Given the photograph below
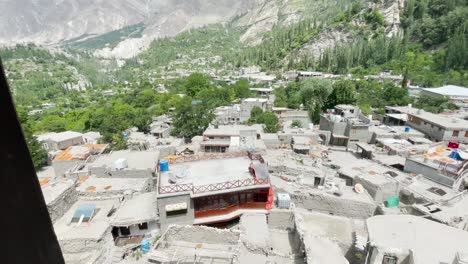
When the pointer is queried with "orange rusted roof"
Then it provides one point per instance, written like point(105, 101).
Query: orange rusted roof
point(80, 152)
point(44, 181)
point(84, 178)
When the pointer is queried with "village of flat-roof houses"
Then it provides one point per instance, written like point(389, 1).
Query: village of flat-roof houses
point(387, 188)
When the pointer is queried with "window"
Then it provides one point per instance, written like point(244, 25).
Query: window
point(466, 133)
point(249, 198)
point(45, 146)
point(124, 231)
point(455, 133)
point(143, 226)
point(437, 191)
point(389, 259)
point(176, 212)
point(242, 198)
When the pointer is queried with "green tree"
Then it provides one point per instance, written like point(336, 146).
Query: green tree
point(296, 123)
point(394, 95)
point(270, 122)
point(145, 99)
point(255, 114)
point(344, 92)
point(118, 142)
point(195, 83)
point(52, 123)
point(191, 119)
point(38, 154)
point(241, 89)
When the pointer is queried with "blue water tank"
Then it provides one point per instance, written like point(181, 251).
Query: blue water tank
point(407, 129)
point(145, 246)
point(164, 165)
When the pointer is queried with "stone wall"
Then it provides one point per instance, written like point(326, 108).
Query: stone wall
point(184, 219)
point(334, 205)
point(200, 234)
point(428, 172)
point(62, 204)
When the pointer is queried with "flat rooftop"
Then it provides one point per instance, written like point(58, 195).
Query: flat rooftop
point(80, 152)
point(394, 130)
point(142, 160)
point(431, 242)
point(449, 90)
point(421, 186)
point(141, 208)
point(231, 130)
point(53, 190)
point(441, 120)
point(103, 185)
point(57, 137)
point(93, 230)
point(208, 171)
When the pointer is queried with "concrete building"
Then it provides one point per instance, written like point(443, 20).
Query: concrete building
point(231, 138)
point(141, 142)
point(438, 127)
point(228, 115)
point(414, 240)
point(75, 156)
point(378, 180)
point(404, 147)
point(92, 137)
point(212, 189)
point(108, 187)
point(457, 94)
point(450, 211)
point(84, 232)
point(263, 92)
point(441, 165)
point(286, 117)
point(393, 132)
point(160, 130)
point(59, 196)
point(248, 104)
point(60, 141)
point(344, 125)
point(386, 76)
point(286, 136)
point(398, 115)
point(257, 241)
point(125, 164)
point(134, 219)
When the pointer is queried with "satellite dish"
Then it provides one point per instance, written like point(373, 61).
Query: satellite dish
point(358, 188)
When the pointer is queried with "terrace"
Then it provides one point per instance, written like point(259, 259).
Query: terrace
point(216, 173)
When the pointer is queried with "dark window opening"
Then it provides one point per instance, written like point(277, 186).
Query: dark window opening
point(399, 167)
point(143, 226)
point(124, 231)
point(176, 212)
point(389, 259)
point(437, 191)
point(317, 181)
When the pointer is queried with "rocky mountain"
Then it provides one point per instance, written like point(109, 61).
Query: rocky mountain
point(54, 21)
point(123, 28)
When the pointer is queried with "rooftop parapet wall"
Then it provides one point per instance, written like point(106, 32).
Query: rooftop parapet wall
point(257, 179)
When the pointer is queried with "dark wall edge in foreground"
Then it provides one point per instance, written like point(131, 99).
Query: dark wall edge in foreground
point(27, 234)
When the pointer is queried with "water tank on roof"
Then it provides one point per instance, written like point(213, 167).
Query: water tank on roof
point(121, 164)
point(164, 165)
point(284, 200)
point(407, 129)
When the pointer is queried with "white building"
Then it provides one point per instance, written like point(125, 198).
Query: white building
point(457, 94)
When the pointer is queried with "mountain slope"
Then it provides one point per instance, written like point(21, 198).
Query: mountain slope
point(54, 21)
